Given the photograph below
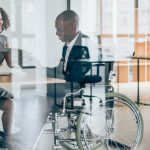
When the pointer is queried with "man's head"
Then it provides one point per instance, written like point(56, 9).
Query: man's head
point(67, 25)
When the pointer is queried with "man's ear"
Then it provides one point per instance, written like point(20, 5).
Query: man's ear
point(74, 27)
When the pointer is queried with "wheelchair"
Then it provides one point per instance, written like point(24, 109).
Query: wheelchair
point(114, 123)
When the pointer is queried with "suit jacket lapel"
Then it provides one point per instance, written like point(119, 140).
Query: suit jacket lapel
point(73, 52)
point(77, 43)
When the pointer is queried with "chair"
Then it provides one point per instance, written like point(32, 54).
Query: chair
point(79, 74)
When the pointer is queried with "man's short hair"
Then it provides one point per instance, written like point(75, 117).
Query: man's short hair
point(68, 15)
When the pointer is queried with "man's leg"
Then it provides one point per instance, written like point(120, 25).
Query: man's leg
point(8, 115)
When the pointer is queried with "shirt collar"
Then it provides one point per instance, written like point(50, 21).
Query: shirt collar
point(70, 45)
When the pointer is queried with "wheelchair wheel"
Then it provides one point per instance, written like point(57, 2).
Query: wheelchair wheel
point(116, 124)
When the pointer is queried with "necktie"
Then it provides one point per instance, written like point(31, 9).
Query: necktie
point(66, 58)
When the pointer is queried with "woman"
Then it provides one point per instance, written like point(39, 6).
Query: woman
point(4, 24)
point(6, 98)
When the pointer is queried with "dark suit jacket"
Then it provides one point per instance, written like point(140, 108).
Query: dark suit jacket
point(77, 52)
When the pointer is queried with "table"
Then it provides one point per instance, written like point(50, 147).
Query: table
point(8, 81)
point(138, 77)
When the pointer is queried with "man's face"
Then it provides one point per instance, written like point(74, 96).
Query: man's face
point(65, 30)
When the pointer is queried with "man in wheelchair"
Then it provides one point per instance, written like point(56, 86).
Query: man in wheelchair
point(77, 46)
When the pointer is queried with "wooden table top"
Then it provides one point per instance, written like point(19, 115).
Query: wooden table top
point(9, 80)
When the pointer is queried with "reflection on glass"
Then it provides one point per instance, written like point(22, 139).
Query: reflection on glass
point(14, 43)
point(13, 15)
point(28, 16)
point(144, 14)
point(28, 44)
point(88, 16)
point(28, 48)
point(14, 52)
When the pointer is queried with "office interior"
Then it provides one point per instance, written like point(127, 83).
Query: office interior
point(118, 27)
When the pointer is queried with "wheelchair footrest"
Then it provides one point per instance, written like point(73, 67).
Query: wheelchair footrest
point(57, 147)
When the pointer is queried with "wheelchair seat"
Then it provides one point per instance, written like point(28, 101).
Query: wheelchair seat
point(81, 74)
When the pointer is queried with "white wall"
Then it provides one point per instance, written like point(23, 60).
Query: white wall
point(4, 4)
point(76, 6)
point(89, 13)
point(41, 31)
point(48, 46)
point(54, 44)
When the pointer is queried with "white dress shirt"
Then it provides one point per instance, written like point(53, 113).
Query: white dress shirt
point(69, 47)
